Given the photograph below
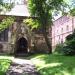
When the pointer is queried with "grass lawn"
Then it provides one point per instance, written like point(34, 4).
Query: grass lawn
point(54, 64)
point(4, 64)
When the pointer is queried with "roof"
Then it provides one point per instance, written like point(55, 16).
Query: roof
point(18, 10)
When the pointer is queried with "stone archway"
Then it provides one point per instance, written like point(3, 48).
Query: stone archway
point(22, 45)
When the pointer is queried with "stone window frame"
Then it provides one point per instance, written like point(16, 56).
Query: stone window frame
point(4, 35)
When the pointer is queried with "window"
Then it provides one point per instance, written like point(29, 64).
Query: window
point(57, 31)
point(67, 28)
point(61, 30)
point(61, 41)
point(4, 35)
point(59, 37)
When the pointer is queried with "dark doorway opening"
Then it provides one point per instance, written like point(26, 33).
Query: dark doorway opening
point(22, 46)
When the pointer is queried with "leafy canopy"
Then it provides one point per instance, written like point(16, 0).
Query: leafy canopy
point(4, 6)
point(43, 9)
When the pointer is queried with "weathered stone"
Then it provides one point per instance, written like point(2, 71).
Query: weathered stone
point(18, 68)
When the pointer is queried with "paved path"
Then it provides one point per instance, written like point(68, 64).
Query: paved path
point(22, 67)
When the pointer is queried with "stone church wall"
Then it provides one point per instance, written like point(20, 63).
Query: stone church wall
point(4, 47)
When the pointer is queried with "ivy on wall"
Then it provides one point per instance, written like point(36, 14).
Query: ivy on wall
point(6, 22)
point(33, 24)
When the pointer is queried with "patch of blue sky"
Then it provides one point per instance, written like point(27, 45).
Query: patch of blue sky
point(59, 13)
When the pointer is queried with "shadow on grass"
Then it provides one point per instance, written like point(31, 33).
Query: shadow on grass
point(55, 64)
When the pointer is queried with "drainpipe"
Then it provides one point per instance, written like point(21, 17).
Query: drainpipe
point(72, 23)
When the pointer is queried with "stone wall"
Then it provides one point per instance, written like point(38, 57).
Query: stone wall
point(4, 47)
point(39, 44)
point(36, 42)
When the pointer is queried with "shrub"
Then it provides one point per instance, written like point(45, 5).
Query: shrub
point(68, 51)
point(71, 43)
point(70, 36)
point(64, 50)
point(68, 48)
point(59, 48)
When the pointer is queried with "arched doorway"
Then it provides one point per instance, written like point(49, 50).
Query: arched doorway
point(22, 45)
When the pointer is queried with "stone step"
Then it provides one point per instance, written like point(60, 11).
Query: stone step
point(21, 54)
point(22, 67)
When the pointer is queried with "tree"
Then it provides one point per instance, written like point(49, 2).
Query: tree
point(70, 40)
point(42, 9)
point(6, 22)
point(5, 6)
point(1, 2)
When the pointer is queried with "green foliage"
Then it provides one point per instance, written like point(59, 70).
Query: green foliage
point(6, 23)
point(72, 8)
point(70, 41)
point(69, 47)
point(5, 6)
point(1, 2)
point(70, 36)
point(68, 51)
point(72, 12)
point(1, 5)
point(43, 9)
point(8, 6)
point(59, 49)
point(4, 65)
point(40, 9)
point(71, 44)
point(32, 23)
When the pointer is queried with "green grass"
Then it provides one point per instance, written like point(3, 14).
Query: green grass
point(54, 64)
point(4, 64)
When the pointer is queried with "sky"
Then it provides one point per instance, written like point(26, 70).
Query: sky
point(69, 2)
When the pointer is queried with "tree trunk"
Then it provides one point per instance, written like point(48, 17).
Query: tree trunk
point(47, 40)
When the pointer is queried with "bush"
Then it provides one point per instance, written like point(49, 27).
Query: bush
point(69, 37)
point(71, 43)
point(69, 47)
point(64, 50)
point(59, 48)
point(68, 51)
